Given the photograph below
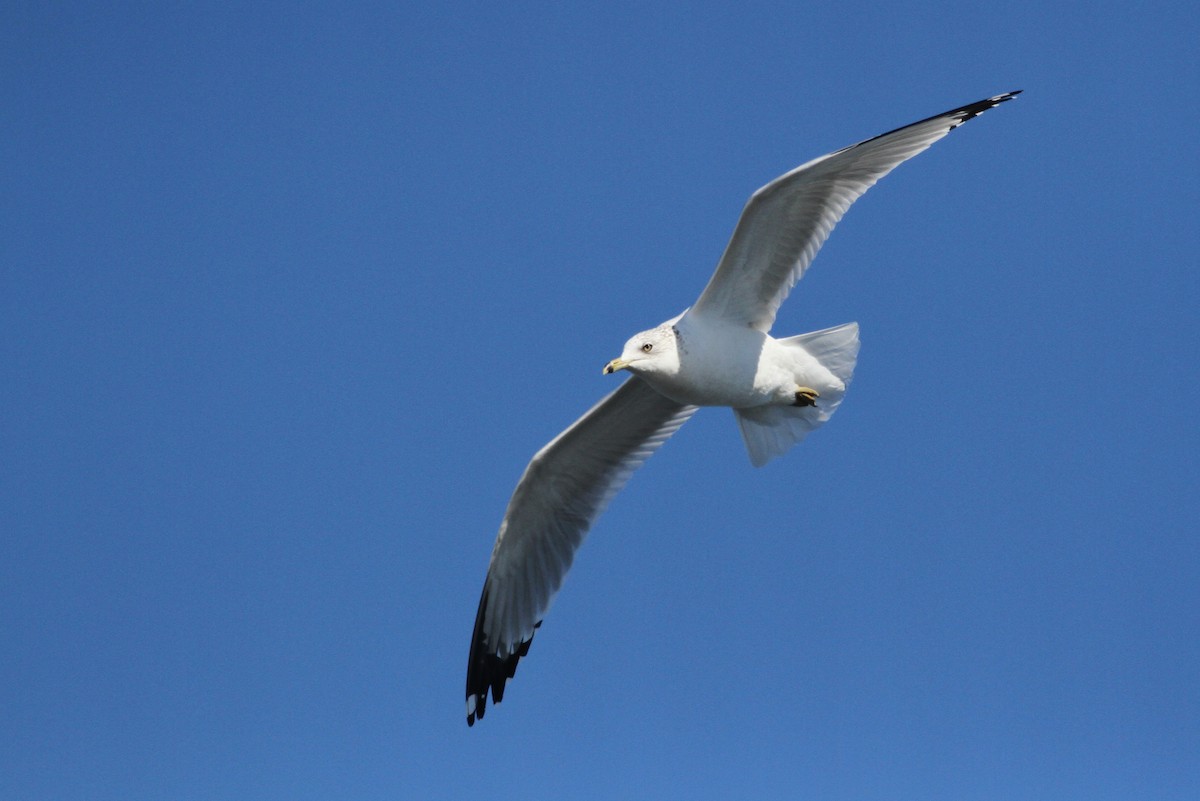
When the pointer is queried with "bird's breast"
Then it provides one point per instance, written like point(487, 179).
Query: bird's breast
point(718, 366)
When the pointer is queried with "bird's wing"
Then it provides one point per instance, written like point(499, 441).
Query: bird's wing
point(785, 223)
point(564, 489)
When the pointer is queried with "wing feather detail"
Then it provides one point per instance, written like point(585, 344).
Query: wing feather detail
point(563, 490)
point(785, 222)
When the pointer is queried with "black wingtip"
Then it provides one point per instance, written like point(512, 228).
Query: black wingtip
point(486, 670)
point(972, 110)
point(954, 117)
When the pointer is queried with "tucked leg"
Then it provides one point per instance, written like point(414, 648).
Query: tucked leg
point(806, 396)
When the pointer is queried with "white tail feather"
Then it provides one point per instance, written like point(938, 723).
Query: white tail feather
point(836, 348)
point(770, 431)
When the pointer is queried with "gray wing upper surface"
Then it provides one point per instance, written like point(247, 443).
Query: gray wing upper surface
point(784, 223)
point(563, 490)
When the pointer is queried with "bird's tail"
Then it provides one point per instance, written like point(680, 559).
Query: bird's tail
point(769, 431)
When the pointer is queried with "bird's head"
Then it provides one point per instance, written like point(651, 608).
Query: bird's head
point(653, 352)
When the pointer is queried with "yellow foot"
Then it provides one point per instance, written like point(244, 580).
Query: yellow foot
point(805, 396)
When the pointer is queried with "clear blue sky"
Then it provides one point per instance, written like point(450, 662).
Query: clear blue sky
point(290, 294)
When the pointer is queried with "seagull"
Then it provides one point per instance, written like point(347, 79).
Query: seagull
point(718, 352)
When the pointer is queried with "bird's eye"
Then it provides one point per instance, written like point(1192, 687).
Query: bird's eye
point(646, 348)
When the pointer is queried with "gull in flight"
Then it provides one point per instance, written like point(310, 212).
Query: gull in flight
point(719, 352)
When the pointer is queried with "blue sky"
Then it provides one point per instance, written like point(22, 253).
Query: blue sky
point(289, 295)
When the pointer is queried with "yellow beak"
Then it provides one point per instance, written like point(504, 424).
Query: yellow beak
point(614, 366)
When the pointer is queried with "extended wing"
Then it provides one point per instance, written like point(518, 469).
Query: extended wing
point(785, 223)
point(564, 489)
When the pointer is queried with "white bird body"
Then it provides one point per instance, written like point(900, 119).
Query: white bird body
point(717, 353)
point(723, 363)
